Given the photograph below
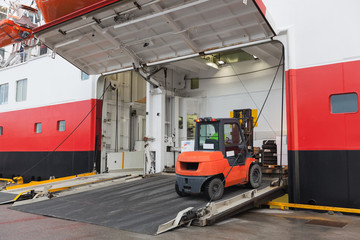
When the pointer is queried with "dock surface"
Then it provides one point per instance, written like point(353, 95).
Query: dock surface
point(269, 224)
point(139, 206)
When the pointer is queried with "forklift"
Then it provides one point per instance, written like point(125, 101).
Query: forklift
point(222, 157)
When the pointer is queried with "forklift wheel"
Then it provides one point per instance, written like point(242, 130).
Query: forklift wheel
point(180, 193)
point(214, 189)
point(255, 176)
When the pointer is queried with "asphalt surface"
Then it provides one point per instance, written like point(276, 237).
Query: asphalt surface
point(139, 206)
point(269, 224)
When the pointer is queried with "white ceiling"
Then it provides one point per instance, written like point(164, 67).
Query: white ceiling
point(120, 35)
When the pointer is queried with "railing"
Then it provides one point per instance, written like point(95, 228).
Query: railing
point(23, 52)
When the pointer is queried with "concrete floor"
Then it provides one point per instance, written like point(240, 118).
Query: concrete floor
point(256, 224)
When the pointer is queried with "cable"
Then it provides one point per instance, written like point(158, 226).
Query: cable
point(252, 99)
point(117, 119)
point(277, 70)
point(233, 164)
point(67, 135)
point(282, 126)
point(234, 75)
point(98, 135)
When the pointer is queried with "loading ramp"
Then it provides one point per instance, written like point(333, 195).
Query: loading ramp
point(141, 206)
point(7, 197)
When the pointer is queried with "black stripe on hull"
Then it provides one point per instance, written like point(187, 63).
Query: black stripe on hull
point(58, 164)
point(329, 178)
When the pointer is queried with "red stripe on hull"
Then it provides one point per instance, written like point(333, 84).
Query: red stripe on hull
point(261, 6)
point(19, 128)
point(311, 125)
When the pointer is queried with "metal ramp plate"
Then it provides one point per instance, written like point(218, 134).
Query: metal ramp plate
point(138, 206)
point(224, 208)
point(7, 197)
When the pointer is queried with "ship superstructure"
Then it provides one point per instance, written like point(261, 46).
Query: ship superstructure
point(42, 99)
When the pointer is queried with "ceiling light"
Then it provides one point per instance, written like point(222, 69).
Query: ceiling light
point(221, 62)
point(255, 57)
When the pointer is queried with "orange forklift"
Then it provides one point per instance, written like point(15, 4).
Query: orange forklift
point(221, 158)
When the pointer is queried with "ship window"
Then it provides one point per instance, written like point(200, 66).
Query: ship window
point(84, 76)
point(61, 126)
point(4, 92)
point(21, 89)
point(344, 103)
point(1, 130)
point(38, 127)
point(3, 12)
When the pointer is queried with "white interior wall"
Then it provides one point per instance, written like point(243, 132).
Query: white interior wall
point(217, 97)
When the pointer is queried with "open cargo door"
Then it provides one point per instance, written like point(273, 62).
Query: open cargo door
point(118, 35)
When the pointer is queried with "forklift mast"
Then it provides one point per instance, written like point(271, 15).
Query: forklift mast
point(247, 118)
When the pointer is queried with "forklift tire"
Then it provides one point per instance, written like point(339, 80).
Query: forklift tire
point(255, 176)
point(214, 189)
point(180, 193)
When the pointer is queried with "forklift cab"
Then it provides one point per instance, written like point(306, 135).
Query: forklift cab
point(223, 135)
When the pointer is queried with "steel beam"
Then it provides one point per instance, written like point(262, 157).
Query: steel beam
point(150, 16)
point(176, 28)
point(119, 45)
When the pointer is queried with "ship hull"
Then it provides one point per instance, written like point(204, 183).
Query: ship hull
point(43, 165)
point(35, 156)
